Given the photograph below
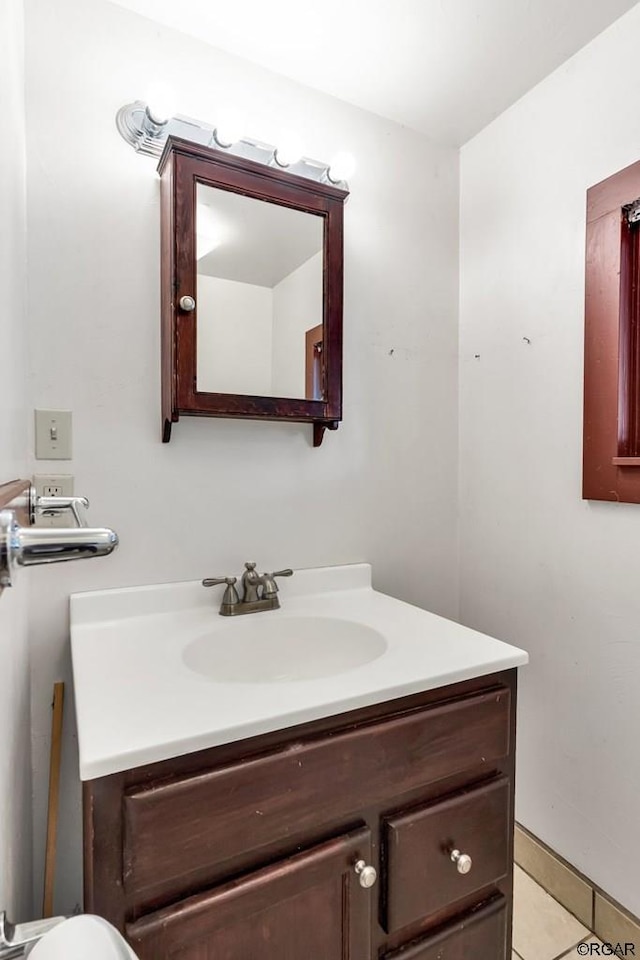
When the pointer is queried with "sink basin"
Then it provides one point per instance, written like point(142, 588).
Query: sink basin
point(335, 645)
point(282, 649)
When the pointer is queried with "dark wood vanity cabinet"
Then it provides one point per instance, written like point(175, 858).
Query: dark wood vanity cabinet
point(256, 849)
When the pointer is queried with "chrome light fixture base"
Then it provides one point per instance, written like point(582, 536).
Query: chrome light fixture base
point(136, 124)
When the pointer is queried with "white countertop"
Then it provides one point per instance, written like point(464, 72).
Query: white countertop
point(137, 701)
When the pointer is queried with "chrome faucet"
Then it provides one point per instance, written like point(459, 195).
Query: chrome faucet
point(259, 592)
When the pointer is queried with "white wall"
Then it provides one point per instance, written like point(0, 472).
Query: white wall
point(539, 566)
point(297, 307)
point(226, 491)
point(235, 327)
point(15, 772)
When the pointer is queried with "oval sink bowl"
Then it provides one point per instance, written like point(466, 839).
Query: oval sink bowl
point(283, 650)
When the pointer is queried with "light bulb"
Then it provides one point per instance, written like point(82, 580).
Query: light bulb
point(341, 167)
point(161, 102)
point(289, 152)
point(228, 129)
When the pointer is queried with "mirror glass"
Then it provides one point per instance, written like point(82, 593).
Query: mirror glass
point(259, 297)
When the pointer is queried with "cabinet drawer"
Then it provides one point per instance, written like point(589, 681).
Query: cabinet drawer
point(478, 935)
point(420, 875)
point(239, 808)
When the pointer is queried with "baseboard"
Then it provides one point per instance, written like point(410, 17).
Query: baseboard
point(611, 922)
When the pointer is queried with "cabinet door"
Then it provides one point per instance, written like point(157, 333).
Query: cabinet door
point(310, 906)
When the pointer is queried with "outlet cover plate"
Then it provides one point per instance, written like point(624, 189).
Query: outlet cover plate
point(54, 485)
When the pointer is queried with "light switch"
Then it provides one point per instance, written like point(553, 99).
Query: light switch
point(53, 435)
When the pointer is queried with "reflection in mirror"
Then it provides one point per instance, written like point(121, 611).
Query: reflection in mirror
point(260, 297)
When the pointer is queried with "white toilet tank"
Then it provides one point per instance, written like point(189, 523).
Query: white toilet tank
point(82, 938)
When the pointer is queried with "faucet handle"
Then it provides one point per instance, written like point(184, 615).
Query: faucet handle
point(269, 585)
point(231, 594)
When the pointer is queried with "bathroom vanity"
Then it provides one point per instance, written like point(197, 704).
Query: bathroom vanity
point(362, 812)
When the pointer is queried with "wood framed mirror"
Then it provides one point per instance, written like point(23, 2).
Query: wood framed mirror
point(252, 277)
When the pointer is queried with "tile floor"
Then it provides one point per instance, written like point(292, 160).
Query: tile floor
point(542, 929)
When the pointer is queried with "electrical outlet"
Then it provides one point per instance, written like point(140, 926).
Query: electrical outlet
point(54, 485)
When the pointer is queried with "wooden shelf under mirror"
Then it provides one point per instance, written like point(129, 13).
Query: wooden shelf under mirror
point(252, 268)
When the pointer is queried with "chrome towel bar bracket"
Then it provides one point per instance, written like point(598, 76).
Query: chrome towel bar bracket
point(16, 938)
point(26, 546)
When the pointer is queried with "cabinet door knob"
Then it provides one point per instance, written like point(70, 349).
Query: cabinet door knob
point(187, 304)
point(366, 873)
point(462, 861)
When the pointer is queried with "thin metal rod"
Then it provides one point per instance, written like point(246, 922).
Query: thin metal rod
point(54, 799)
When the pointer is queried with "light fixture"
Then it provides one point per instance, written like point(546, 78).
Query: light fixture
point(140, 126)
point(147, 125)
point(341, 167)
point(144, 123)
point(289, 152)
point(161, 103)
point(228, 130)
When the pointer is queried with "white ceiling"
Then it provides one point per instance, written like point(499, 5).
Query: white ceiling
point(254, 241)
point(444, 67)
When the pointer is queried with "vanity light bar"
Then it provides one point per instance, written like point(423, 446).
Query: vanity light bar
point(138, 125)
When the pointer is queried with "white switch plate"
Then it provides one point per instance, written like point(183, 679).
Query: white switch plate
point(54, 485)
point(53, 435)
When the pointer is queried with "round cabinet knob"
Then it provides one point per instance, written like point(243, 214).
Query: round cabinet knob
point(187, 303)
point(462, 861)
point(366, 873)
